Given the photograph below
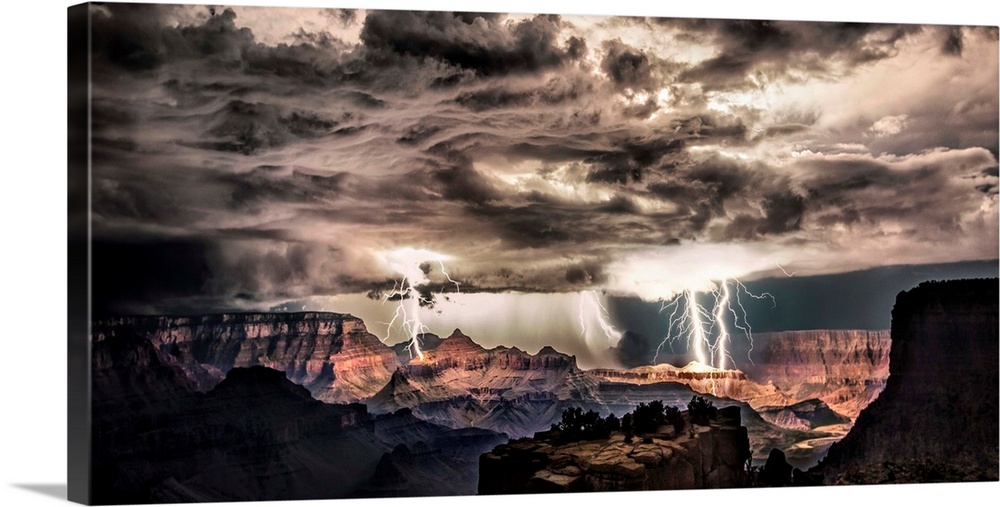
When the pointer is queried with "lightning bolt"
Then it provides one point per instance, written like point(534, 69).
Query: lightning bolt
point(721, 302)
point(409, 318)
point(786, 272)
point(687, 317)
point(446, 275)
point(409, 263)
point(590, 304)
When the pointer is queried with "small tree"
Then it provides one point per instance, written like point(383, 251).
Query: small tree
point(647, 418)
point(577, 425)
point(674, 418)
point(612, 423)
point(701, 410)
point(627, 427)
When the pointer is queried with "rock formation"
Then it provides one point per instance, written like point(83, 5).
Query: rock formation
point(846, 369)
point(331, 354)
point(712, 456)
point(702, 379)
point(254, 436)
point(937, 419)
point(460, 384)
point(804, 415)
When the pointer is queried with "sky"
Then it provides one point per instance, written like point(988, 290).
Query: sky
point(525, 168)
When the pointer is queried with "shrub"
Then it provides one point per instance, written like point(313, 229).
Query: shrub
point(701, 410)
point(646, 418)
point(577, 425)
point(674, 418)
point(612, 422)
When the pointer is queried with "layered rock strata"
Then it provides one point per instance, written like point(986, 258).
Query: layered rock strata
point(846, 369)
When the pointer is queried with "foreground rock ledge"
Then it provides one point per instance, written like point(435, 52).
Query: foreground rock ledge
point(712, 456)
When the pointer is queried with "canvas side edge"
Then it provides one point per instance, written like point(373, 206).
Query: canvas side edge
point(78, 269)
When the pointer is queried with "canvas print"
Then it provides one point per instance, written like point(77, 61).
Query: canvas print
point(342, 253)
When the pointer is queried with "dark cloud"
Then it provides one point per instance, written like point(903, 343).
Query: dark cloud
point(260, 188)
point(634, 349)
point(135, 38)
point(785, 129)
point(535, 152)
point(630, 162)
point(248, 128)
point(782, 213)
point(771, 47)
point(534, 226)
point(711, 128)
point(128, 274)
point(466, 184)
point(485, 45)
point(953, 42)
point(626, 66)
point(585, 274)
point(131, 37)
point(920, 196)
point(345, 17)
point(557, 90)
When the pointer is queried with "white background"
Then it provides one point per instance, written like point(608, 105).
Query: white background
point(33, 246)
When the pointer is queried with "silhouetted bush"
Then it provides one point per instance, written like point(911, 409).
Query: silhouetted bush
point(577, 425)
point(701, 410)
point(612, 422)
point(646, 418)
point(674, 418)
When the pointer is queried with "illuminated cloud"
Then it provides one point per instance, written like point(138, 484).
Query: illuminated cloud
point(248, 156)
point(888, 125)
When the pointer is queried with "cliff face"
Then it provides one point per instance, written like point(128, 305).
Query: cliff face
point(333, 355)
point(700, 457)
point(459, 383)
point(459, 366)
point(937, 418)
point(846, 369)
point(255, 436)
point(702, 379)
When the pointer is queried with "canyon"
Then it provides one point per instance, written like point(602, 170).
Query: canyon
point(257, 435)
point(460, 384)
point(186, 408)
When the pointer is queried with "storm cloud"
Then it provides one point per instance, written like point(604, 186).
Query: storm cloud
point(244, 157)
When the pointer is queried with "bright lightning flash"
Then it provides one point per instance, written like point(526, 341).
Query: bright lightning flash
point(687, 318)
point(412, 265)
point(592, 309)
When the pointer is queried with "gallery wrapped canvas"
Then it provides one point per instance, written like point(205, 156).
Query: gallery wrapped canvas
point(327, 253)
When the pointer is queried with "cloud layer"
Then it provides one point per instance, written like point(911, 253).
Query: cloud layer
point(247, 156)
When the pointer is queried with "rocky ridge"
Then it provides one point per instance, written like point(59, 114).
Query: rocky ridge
point(457, 383)
point(702, 379)
point(712, 456)
point(255, 436)
point(333, 355)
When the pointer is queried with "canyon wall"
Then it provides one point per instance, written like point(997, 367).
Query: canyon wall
point(846, 369)
point(333, 355)
point(255, 435)
point(937, 419)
